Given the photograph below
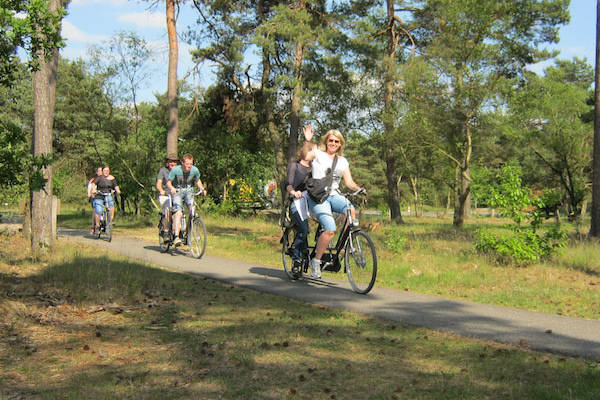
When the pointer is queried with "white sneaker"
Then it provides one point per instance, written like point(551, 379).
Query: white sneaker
point(315, 268)
point(177, 242)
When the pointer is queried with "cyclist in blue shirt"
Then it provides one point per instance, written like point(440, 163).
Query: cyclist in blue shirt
point(182, 180)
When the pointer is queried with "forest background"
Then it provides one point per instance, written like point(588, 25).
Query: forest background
point(434, 98)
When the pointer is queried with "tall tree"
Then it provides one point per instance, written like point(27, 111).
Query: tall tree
point(44, 93)
point(123, 59)
point(473, 45)
point(595, 223)
point(390, 84)
point(173, 127)
point(551, 114)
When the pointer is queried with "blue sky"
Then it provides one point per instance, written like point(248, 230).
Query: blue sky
point(94, 21)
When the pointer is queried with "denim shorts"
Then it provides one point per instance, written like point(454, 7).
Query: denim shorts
point(181, 196)
point(99, 204)
point(324, 211)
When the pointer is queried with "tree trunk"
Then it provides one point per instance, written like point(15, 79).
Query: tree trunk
point(415, 190)
point(462, 186)
point(173, 129)
point(44, 93)
point(391, 175)
point(595, 211)
point(391, 171)
point(461, 196)
point(296, 104)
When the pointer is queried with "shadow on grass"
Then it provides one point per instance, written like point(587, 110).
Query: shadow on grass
point(227, 231)
point(174, 335)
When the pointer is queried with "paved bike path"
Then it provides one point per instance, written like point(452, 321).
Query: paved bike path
point(534, 330)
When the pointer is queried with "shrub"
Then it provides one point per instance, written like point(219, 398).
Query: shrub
point(395, 241)
point(524, 244)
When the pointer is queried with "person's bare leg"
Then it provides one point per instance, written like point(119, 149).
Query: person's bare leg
point(177, 222)
point(323, 242)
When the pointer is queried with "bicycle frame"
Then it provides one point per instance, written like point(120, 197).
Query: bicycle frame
point(359, 254)
point(185, 224)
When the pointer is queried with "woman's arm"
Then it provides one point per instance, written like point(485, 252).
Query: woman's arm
point(349, 181)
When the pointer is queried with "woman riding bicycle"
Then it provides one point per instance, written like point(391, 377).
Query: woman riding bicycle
point(332, 145)
point(103, 185)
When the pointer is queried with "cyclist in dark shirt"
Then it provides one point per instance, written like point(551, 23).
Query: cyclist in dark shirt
point(101, 185)
point(163, 190)
point(296, 190)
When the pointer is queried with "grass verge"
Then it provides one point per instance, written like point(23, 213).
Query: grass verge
point(81, 325)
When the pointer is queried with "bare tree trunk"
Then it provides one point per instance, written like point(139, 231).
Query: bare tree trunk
point(391, 171)
point(275, 136)
point(595, 224)
point(44, 94)
point(462, 186)
point(415, 190)
point(296, 104)
point(461, 195)
point(173, 129)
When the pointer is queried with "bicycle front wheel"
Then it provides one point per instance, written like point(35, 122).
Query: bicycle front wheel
point(108, 220)
point(361, 262)
point(286, 251)
point(197, 237)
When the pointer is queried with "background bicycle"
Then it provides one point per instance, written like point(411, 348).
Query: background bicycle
point(354, 245)
point(105, 223)
point(192, 233)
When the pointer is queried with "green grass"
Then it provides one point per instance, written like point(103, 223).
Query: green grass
point(435, 259)
point(78, 324)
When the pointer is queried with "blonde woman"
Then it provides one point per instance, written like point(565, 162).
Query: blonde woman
point(332, 144)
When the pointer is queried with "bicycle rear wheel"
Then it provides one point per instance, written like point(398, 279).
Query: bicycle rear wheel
point(108, 220)
point(287, 241)
point(163, 243)
point(361, 262)
point(197, 237)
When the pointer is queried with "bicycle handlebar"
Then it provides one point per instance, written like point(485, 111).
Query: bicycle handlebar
point(360, 192)
point(177, 190)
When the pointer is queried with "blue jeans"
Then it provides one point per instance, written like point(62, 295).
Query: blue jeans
point(301, 241)
point(324, 211)
point(184, 194)
point(99, 204)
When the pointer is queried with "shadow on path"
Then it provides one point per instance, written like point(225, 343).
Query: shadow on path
point(535, 330)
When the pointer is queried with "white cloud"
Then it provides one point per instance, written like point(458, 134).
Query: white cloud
point(145, 19)
point(74, 34)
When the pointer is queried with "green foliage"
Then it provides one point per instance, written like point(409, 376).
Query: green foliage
point(225, 207)
point(17, 165)
point(549, 113)
point(525, 244)
point(13, 150)
point(395, 241)
point(31, 26)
